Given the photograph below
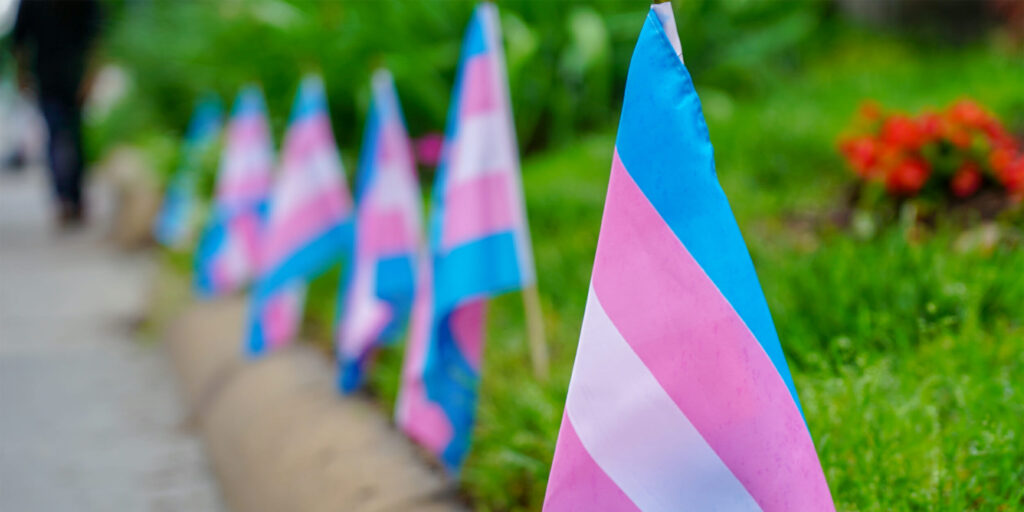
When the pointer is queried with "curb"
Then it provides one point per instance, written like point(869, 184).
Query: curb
point(279, 436)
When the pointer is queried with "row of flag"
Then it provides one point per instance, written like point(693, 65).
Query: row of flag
point(680, 395)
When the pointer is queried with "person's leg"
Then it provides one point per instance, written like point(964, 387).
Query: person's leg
point(63, 120)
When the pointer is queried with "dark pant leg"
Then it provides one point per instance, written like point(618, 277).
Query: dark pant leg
point(64, 122)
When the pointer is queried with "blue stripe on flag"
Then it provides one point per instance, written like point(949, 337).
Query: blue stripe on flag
point(475, 42)
point(316, 256)
point(368, 153)
point(310, 100)
point(452, 383)
point(396, 284)
point(663, 142)
point(249, 102)
point(350, 374)
point(203, 128)
point(486, 266)
point(172, 222)
point(255, 340)
point(211, 242)
point(205, 122)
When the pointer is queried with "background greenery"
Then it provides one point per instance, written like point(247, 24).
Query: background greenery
point(567, 60)
point(906, 341)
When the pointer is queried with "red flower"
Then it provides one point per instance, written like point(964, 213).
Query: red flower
point(967, 180)
point(932, 125)
point(968, 113)
point(901, 131)
point(1013, 177)
point(997, 135)
point(862, 153)
point(1000, 159)
point(958, 135)
point(907, 177)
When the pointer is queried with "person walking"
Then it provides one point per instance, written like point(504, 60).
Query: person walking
point(52, 41)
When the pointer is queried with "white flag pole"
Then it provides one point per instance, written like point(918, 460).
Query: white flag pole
point(531, 297)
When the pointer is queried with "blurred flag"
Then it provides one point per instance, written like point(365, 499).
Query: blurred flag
point(226, 256)
point(387, 236)
point(680, 396)
point(310, 221)
point(177, 217)
point(479, 247)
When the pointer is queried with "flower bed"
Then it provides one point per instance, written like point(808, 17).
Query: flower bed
point(949, 155)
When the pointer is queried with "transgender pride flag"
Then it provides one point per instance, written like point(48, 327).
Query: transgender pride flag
point(227, 253)
point(388, 236)
point(176, 220)
point(680, 397)
point(309, 226)
point(479, 247)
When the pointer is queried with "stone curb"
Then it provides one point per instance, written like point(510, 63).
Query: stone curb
point(278, 435)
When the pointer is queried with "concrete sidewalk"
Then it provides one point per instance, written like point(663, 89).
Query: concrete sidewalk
point(89, 416)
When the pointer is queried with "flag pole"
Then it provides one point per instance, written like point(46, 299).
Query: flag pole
point(531, 297)
point(535, 331)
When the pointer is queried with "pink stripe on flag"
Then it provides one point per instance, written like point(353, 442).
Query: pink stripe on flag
point(702, 354)
point(386, 233)
point(419, 321)
point(234, 262)
point(478, 207)
point(479, 88)
point(393, 144)
point(365, 315)
point(307, 136)
point(312, 217)
point(424, 421)
point(249, 129)
point(577, 483)
point(248, 227)
point(281, 317)
point(251, 186)
point(421, 419)
point(467, 325)
point(223, 276)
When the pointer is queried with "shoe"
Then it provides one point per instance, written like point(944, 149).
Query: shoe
point(70, 215)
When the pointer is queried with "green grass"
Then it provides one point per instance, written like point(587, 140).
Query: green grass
point(908, 353)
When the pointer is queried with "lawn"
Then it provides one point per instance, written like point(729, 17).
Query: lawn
point(906, 347)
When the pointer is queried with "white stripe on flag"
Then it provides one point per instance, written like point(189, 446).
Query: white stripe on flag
point(321, 170)
point(236, 258)
point(637, 434)
point(394, 188)
point(668, 24)
point(484, 145)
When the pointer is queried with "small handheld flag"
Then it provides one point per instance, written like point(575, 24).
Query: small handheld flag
point(479, 247)
point(310, 221)
point(680, 397)
point(177, 217)
point(387, 236)
point(227, 253)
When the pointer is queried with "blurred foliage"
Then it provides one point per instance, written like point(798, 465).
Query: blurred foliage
point(566, 60)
